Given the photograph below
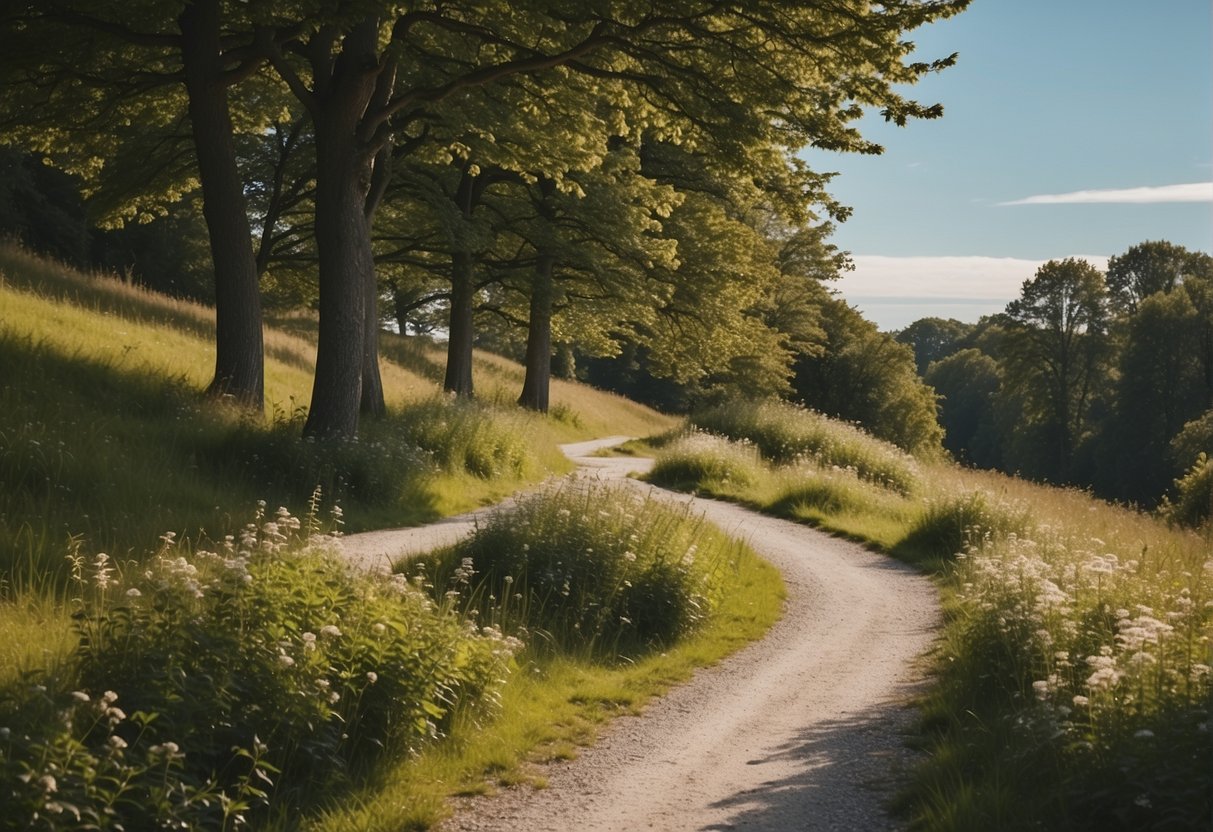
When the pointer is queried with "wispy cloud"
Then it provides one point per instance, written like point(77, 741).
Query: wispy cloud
point(952, 278)
point(1189, 192)
point(893, 291)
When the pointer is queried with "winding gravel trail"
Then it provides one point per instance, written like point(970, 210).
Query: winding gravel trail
point(802, 730)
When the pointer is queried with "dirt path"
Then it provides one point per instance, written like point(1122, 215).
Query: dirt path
point(801, 731)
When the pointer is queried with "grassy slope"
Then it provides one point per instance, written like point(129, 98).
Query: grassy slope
point(104, 435)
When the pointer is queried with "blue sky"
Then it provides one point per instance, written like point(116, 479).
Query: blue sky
point(1085, 113)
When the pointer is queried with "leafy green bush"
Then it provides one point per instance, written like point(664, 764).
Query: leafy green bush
point(1193, 504)
point(589, 568)
point(700, 460)
point(786, 433)
point(211, 686)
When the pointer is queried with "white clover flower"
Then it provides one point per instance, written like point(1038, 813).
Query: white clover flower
point(285, 661)
point(330, 631)
point(117, 743)
point(372, 676)
point(133, 593)
point(1081, 701)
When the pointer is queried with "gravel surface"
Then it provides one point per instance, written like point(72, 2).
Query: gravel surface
point(800, 731)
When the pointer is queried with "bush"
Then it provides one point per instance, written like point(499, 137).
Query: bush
point(468, 436)
point(952, 526)
point(1193, 505)
point(590, 569)
point(825, 492)
point(208, 687)
point(703, 461)
point(786, 434)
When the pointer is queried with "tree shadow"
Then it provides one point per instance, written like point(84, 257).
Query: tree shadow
point(847, 774)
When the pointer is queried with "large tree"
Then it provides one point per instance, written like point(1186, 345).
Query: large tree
point(133, 97)
point(776, 72)
point(1056, 352)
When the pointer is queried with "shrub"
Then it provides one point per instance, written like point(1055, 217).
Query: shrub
point(589, 568)
point(826, 492)
point(468, 436)
point(1193, 505)
point(786, 433)
point(948, 527)
point(700, 460)
point(207, 687)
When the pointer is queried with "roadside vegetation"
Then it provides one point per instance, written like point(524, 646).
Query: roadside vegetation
point(1072, 681)
point(165, 659)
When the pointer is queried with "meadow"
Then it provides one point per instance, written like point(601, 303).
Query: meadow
point(1071, 684)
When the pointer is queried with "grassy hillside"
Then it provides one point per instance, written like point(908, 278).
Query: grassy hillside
point(106, 443)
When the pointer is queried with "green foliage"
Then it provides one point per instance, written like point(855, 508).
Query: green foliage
point(1193, 504)
point(212, 688)
point(934, 339)
point(588, 569)
point(786, 433)
point(701, 460)
point(950, 527)
point(865, 376)
point(968, 382)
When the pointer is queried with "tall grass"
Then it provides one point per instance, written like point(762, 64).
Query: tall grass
point(786, 434)
point(597, 569)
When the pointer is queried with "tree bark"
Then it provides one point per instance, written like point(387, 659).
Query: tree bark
point(343, 238)
point(373, 402)
point(459, 341)
point(536, 386)
point(239, 345)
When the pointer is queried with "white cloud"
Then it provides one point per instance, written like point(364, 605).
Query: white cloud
point(941, 278)
point(1189, 192)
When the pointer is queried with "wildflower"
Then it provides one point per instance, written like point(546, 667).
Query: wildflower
point(330, 630)
point(1041, 689)
point(1143, 734)
point(133, 593)
point(169, 749)
point(48, 784)
point(115, 715)
point(379, 628)
point(109, 697)
point(372, 676)
point(1081, 701)
point(80, 696)
point(117, 743)
point(309, 641)
point(629, 556)
point(285, 661)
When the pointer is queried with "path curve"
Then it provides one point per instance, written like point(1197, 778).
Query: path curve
point(802, 730)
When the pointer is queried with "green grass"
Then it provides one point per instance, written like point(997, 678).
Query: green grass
point(1072, 682)
point(105, 439)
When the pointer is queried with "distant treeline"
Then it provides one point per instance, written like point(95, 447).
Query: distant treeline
point(1100, 380)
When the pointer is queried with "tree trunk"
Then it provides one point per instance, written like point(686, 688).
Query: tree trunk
point(239, 346)
point(536, 386)
point(373, 403)
point(459, 343)
point(343, 237)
